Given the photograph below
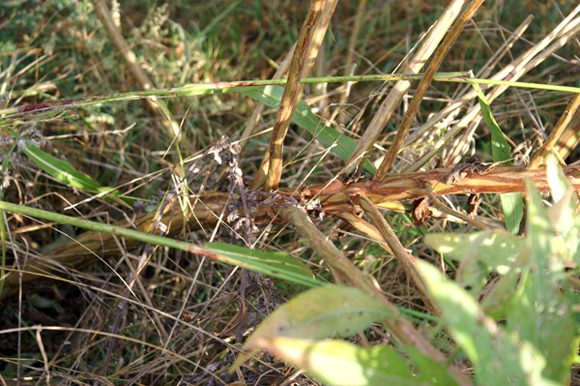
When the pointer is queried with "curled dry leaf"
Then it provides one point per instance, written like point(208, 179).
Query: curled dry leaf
point(421, 212)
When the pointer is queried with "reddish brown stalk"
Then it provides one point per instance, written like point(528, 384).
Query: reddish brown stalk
point(452, 212)
point(422, 88)
point(334, 198)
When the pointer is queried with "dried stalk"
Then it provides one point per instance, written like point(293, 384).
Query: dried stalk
point(569, 27)
point(406, 260)
point(571, 137)
point(348, 63)
point(452, 212)
point(255, 118)
point(423, 86)
point(309, 41)
point(118, 40)
point(395, 96)
point(556, 132)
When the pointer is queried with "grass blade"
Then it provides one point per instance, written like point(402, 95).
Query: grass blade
point(67, 174)
point(283, 262)
point(342, 145)
point(257, 261)
point(512, 203)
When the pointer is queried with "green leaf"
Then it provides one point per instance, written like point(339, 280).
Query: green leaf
point(167, 115)
point(342, 145)
point(280, 261)
point(496, 301)
point(430, 371)
point(512, 203)
point(513, 211)
point(498, 357)
point(563, 213)
point(542, 310)
point(265, 265)
point(321, 312)
point(66, 173)
point(497, 250)
point(276, 264)
point(338, 363)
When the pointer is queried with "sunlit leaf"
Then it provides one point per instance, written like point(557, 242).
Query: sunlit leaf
point(430, 371)
point(498, 357)
point(280, 261)
point(541, 312)
point(319, 313)
point(497, 300)
point(563, 213)
point(337, 363)
point(498, 249)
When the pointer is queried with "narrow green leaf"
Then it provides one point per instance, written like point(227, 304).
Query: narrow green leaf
point(512, 203)
point(5, 244)
point(66, 173)
point(167, 115)
point(279, 261)
point(342, 145)
point(321, 312)
point(256, 265)
point(513, 211)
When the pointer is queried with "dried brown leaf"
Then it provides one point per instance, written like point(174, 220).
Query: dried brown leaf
point(421, 212)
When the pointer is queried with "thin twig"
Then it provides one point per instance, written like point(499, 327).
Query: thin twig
point(556, 132)
point(406, 260)
point(450, 211)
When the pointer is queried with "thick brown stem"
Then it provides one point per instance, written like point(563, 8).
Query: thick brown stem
point(334, 198)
